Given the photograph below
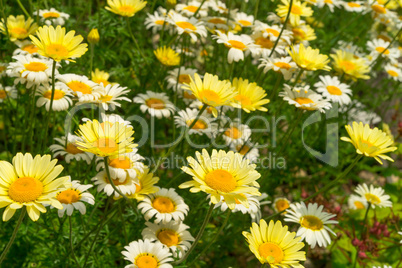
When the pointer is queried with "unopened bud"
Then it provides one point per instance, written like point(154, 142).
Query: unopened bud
point(93, 36)
point(362, 255)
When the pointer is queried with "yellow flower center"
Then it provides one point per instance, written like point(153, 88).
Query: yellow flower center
point(272, 31)
point(244, 22)
point(155, 104)
point(30, 49)
point(168, 237)
point(221, 180)
point(192, 9)
point(392, 73)
point(68, 196)
point(186, 25)
point(296, 10)
point(359, 205)
point(302, 100)
point(382, 50)
point(2, 69)
point(198, 125)
point(184, 78)
point(159, 22)
point(311, 222)
point(146, 261)
point(58, 94)
point(237, 44)
point(126, 9)
point(264, 42)
point(233, 133)
point(366, 144)
point(217, 21)
point(78, 86)
point(57, 51)
point(105, 98)
point(3, 94)
point(272, 252)
point(72, 149)
point(210, 96)
point(282, 65)
point(163, 204)
point(373, 199)
point(244, 100)
point(120, 162)
point(100, 80)
point(118, 182)
point(138, 187)
point(25, 189)
point(333, 90)
point(347, 65)
point(106, 145)
point(281, 205)
point(379, 9)
point(299, 33)
point(35, 66)
point(19, 30)
point(353, 4)
point(51, 15)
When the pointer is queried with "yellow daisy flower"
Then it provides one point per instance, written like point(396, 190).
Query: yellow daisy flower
point(125, 8)
point(18, 27)
point(369, 142)
point(249, 95)
point(275, 245)
point(167, 56)
point(353, 67)
point(105, 139)
point(146, 185)
point(30, 182)
point(100, 77)
point(309, 59)
point(56, 44)
point(298, 10)
point(223, 174)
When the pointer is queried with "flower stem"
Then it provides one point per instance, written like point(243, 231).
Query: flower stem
point(91, 47)
point(51, 106)
point(283, 28)
point(288, 133)
point(71, 242)
point(11, 241)
point(362, 234)
point(23, 8)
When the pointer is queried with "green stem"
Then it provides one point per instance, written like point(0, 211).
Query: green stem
point(363, 231)
point(289, 132)
point(23, 9)
point(91, 47)
point(51, 106)
point(4, 17)
point(199, 8)
point(71, 242)
point(283, 28)
point(11, 241)
point(256, 9)
point(275, 89)
point(30, 123)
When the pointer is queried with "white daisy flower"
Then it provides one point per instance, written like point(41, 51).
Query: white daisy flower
point(191, 26)
point(194, 103)
point(272, 32)
point(331, 88)
point(51, 15)
point(173, 235)
point(61, 99)
point(218, 24)
point(85, 89)
point(331, 4)
point(204, 124)
point(357, 202)
point(114, 118)
point(220, 7)
point(280, 204)
point(156, 104)
point(236, 133)
point(264, 46)
point(313, 223)
point(356, 111)
point(384, 266)
point(400, 233)
point(285, 65)
point(3, 69)
point(70, 151)
point(110, 94)
point(144, 254)
point(354, 6)
point(393, 72)
point(183, 78)
point(190, 8)
point(379, 46)
point(374, 195)
point(244, 20)
point(188, 51)
point(7, 92)
point(126, 185)
point(166, 205)
point(25, 47)
point(73, 198)
point(244, 149)
point(380, 13)
point(155, 22)
point(237, 44)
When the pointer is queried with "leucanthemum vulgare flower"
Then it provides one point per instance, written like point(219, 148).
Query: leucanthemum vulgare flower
point(359, 112)
point(105, 139)
point(304, 98)
point(284, 65)
point(18, 28)
point(56, 44)
point(156, 104)
point(73, 198)
point(356, 202)
point(204, 124)
point(354, 6)
point(250, 96)
point(145, 185)
point(303, 33)
point(183, 78)
point(173, 235)
point(280, 204)
point(394, 72)
point(248, 150)
point(212, 91)
point(167, 56)
point(369, 142)
point(191, 7)
point(61, 99)
point(69, 151)
point(8, 92)
point(85, 89)
point(244, 20)
point(298, 10)
point(110, 94)
point(237, 44)
point(25, 47)
point(353, 67)
point(125, 185)
point(331, 4)
point(313, 223)
point(374, 195)
point(100, 77)
point(264, 45)
point(30, 182)
point(144, 254)
point(309, 59)
point(125, 8)
point(271, 34)
point(236, 133)
point(275, 245)
point(379, 47)
point(190, 26)
point(156, 21)
point(331, 88)
point(166, 205)
point(51, 15)
point(222, 174)
point(215, 24)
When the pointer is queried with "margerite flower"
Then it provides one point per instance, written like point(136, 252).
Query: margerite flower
point(110, 94)
point(331, 88)
point(125, 185)
point(271, 33)
point(212, 91)
point(250, 96)
point(237, 44)
point(393, 72)
point(73, 198)
point(309, 59)
point(61, 98)
point(156, 104)
point(52, 16)
point(384, 266)
point(331, 4)
point(30, 182)
point(166, 205)
point(183, 78)
point(304, 98)
point(360, 112)
point(236, 133)
point(346, 62)
point(369, 142)
point(298, 10)
point(264, 45)
point(222, 174)
point(156, 21)
point(105, 139)
point(379, 46)
point(303, 33)
point(125, 8)
point(100, 77)
point(7, 92)
point(25, 48)
point(248, 151)
point(18, 27)
point(275, 245)
point(374, 195)
point(69, 151)
point(243, 19)
point(191, 7)
point(284, 65)
point(167, 56)
point(3, 68)
point(147, 254)
point(173, 235)
point(190, 26)
point(85, 89)
point(280, 204)
point(313, 223)
point(204, 124)
point(357, 202)
point(56, 44)
point(354, 6)
point(145, 185)
point(215, 24)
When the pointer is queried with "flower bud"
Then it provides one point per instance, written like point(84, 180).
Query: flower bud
point(93, 36)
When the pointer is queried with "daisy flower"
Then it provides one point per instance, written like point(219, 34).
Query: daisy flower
point(275, 245)
point(3, 68)
point(331, 4)
point(243, 19)
point(380, 47)
point(346, 62)
point(70, 151)
point(18, 28)
point(264, 45)
point(183, 78)
point(298, 10)
point(284, 65)
point(237, 44)
point(85, 89)
point(236, 133)
point(30, 182)
point(123, 165)
point(100, 77)
point(400, 233)
point(61, 99)
point(7, 92)
point(222, 174)
point(219, 6)
point(331, 88)
point(156, 21)
point(167, 56)
point(56, 44)
point(25, 48)
point(393, 72)
point(173, 235)
point(144, 253)
point(281, 204)
point(73, 198)
point(215, 24)
point(248, 151)
point(359, 112)
point(126, 185)
point(354, 6)
point(166, 205)
point(250, 96)
point(369, 142)
point(303, 33)
point(357, 202)
point(110, 94)
point(313, 223)
point(190, 26)
point(309, 59)
point(191, 7)
point(145, 185)
point(125, 8)
point(93, 36)
point(204, 124)
point(156, 104)
point(51, 15)
point(271, 32)
point(374, 195)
